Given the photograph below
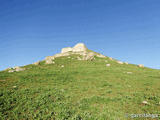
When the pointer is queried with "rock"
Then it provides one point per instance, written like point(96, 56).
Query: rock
point(67, 49)
point(119, 62)
point(108, 65)
point(10, 71)
point(145, 102)
point(37, 63)
point(141, 66)
point(89, 56)
point(79, 47)
point(49, 59)
point(61, 55)
point(17, 69)
point(101, 56)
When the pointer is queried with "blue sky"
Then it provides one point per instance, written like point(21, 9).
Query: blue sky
point(128, 30)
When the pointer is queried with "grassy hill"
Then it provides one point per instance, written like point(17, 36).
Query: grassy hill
point(87, 90)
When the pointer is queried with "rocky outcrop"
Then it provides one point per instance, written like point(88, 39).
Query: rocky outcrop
point(89, 56)
point(80, 47)
point(101, 56)
point(67, 49)
point(16, 69)
point(49, 59)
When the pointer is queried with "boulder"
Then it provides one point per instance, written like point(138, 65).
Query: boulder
point(61, 55)
point(14, 86)
point(10, 71)
point(89, 56)
point(67, 49)
point(79, 47)
point(16, 69)
point(145, 103)
point(101, 56)
point(108, 65)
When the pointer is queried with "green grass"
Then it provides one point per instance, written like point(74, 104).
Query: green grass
point(85, 90)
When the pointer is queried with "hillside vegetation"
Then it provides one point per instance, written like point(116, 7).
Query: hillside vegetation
point(76, 89)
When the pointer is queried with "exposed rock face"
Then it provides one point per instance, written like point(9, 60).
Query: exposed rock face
point(61, 54)
point(68, 49)
point(89, 56)
point(80, 47)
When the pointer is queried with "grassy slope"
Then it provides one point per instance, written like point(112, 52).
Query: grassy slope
point(82, 89)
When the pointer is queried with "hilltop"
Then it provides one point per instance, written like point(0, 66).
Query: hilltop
point(77, 84)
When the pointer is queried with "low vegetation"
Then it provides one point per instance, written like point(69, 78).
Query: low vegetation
point(87, 90)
